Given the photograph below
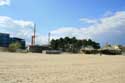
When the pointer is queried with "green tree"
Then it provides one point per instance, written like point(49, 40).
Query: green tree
point(72, 44)
point(93, 44)
point(14, 46)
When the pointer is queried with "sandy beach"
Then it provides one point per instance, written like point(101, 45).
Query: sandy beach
point(64, 68)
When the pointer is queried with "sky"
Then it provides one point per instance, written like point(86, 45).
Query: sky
point(100, 20)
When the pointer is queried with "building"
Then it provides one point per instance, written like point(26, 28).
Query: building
point(4, 40)
point(19, 40)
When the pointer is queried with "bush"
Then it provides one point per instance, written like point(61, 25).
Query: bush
point(14, 46)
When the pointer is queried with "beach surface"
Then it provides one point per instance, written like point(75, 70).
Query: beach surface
point(63, 68)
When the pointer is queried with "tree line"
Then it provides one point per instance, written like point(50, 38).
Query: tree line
point(68, 44)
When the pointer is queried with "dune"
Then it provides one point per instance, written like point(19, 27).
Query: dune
point(63, 68)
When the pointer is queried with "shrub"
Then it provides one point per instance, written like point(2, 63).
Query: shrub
point(14, 46)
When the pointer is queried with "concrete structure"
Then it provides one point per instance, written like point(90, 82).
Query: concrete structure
point(35, 49)
point(53, 52)
point(33, 36)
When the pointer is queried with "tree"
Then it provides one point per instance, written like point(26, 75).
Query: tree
point(72, 44)
point(93, 44)
point(14, 46)
point(53, 44)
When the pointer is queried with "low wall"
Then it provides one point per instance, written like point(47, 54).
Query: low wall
point(3, 49)
point(35, 49)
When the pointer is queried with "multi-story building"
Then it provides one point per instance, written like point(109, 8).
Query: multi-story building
point(4, 40)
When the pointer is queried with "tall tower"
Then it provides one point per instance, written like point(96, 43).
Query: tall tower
point(49, 35)
point(34, 35)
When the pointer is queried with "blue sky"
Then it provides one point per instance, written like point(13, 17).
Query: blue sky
point(62, 16)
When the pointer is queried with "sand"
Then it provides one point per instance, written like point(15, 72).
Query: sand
point(64, 68)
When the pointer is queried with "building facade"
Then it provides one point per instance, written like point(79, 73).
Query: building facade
point(4, 40)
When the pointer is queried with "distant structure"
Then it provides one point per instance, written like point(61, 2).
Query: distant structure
point(111, 49)
point(49, 36)
point(33, 36)
point(19, 40)
point(33, 47)
point(4, 40)
point(88, 50)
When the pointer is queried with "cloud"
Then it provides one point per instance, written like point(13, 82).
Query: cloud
point(89, 21)
point(42, 39)
point(16, 28)
point(21, 28)
point(107, 29)
point(108, 13)
point(8, 21)
point(4, 2)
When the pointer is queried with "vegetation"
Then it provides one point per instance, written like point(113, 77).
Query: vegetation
point(14, 46)
point(72, 44)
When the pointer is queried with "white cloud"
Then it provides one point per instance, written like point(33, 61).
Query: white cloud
point(7, 21)
point(89, 21)
point(23, 23)
point(108, 13)
point(106, 29)
point(4, 2)
point(21, 28)
point(16, 28)
point(41, 39)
